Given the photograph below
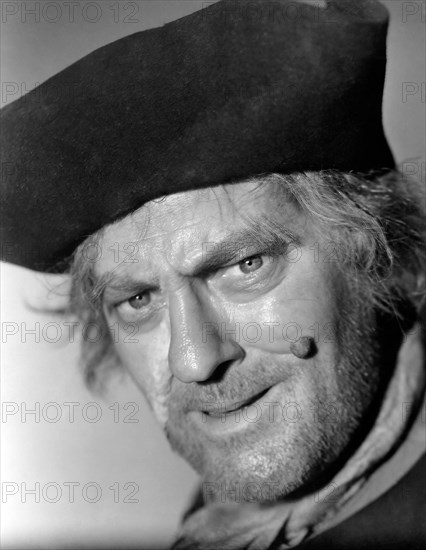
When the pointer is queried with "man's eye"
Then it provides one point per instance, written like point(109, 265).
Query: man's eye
point(248, 265)
point(249, 271)
point(140, 300)
point(141, 307)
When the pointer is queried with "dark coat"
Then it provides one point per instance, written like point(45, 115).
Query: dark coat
point(395, 521)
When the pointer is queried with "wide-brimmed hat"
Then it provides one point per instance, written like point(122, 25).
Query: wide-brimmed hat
point(237, 89)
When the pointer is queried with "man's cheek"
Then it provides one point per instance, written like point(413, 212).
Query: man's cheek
point(159, 391)
point(146, 360)
point(274, 326)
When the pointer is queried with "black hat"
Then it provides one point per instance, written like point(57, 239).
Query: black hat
point(237, 89)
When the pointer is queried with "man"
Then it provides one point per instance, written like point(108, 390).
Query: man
point(221, 190)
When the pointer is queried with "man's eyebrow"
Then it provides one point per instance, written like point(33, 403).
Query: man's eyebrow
point(120, 282)
point(261, 236)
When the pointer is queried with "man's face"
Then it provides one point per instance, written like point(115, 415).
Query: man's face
point(206, 292)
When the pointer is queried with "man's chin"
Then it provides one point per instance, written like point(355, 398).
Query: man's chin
point(236, 480)
point(240, 474)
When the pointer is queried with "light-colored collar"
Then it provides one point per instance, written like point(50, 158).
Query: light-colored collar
point(408, 404)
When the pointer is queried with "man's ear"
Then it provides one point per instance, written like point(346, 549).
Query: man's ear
point(46, 293)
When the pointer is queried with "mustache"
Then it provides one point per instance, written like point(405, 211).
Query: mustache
point(237, 385)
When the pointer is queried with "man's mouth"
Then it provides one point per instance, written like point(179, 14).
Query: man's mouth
point(218, 410)
point(223, 418)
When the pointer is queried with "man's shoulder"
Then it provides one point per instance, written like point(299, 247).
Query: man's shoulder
point(395, 520)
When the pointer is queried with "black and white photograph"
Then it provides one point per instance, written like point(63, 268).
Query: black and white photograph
point(213, 253)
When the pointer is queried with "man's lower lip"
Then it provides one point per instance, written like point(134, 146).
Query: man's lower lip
point(220, 412)
point(221, 423)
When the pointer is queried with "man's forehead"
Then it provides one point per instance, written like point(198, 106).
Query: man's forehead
point(179, 227)
point(203, 212)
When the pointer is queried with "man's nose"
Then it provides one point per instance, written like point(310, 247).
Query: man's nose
point(194, 352)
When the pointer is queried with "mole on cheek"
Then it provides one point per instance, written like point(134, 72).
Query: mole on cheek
point(304, 348)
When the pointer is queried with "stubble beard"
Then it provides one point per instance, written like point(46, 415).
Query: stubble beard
point(265, 465)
